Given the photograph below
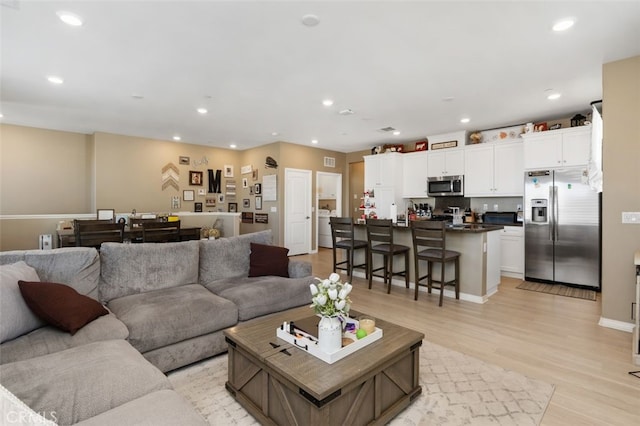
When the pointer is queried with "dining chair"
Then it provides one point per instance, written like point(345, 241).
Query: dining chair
point(381, 231)
point(429, 244)
point(160, 232)
point(135, 228)
point(92, 233)
point(342, 237)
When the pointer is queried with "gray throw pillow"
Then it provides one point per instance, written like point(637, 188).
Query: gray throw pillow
point(16, 318)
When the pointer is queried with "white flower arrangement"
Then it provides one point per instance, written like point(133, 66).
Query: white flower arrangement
point(330, 297)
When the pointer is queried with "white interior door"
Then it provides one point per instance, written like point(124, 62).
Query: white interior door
point(297, 211)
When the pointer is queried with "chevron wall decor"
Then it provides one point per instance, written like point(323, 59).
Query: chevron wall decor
point(170, 176)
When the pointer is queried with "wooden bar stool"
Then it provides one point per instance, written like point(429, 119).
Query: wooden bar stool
point(381, 230)
point(343, 238)
point(432, 235)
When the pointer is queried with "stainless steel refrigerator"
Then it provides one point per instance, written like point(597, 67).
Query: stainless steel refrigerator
point(561, 228)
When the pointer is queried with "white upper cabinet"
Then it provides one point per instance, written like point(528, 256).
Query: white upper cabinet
point(494, 170)
point(557, 148)
point(445, 162)
point(414, 174)
point(383, 175)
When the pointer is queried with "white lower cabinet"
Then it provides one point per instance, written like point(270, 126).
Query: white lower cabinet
point(324, 232)
point(512, 249)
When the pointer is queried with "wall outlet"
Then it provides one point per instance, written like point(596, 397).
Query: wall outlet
point(631, 217)
point(495, 208)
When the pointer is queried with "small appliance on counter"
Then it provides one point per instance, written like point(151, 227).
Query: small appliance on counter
point(500, 218)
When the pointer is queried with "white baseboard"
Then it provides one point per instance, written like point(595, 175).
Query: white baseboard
point(616, 325)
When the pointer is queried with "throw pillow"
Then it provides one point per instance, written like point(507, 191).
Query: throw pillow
point(268, 260)
point(16, 318)
point(60, 305)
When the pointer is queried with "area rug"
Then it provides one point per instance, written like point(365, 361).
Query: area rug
point(457, 389)
point(559, 289)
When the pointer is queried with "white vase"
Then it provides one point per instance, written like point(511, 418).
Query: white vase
point(330, 334)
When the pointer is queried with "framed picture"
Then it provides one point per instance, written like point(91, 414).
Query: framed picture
point(197, 207)
point(246, 203)
point(221, 198)
point(233, 207)
point(443, 145)
point(188, 195)
point(555, 126)
point(421, 146)
point(245, 183)
point(254, 175)
point(195, 178)
point(262, 218)
point(258, 202)
point(210, 201)
point(247, 217)
point(202, 192)
point(257, 188)
point(228, 171)
point(184, 160)
point(106, 214)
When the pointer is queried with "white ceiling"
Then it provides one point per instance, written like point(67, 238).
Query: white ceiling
point(259, 70)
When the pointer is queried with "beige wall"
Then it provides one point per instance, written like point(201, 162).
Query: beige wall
point(129, 172)
point(44, 171)
point(621, 164)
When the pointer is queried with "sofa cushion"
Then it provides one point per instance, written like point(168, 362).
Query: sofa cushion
point(77, 267)
point(264, 295)
point(137, 268)
point(267, 260)
point(48, 339)
point(16, 318)
point(228, 257)
point(15, 412)
point(82, 382)
point(163, 317)
point(60, 305)
point(164, 407)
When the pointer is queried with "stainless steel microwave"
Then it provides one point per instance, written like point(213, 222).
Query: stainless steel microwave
point(443, 186)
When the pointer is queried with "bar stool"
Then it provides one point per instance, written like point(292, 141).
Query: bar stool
point(381, 230)
point(432, 235)
point(343, 238)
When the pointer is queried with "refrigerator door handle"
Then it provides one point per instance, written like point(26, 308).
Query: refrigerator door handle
point(556, 214)
point(550, 214)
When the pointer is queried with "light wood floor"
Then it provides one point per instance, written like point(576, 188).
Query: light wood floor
point(552, 338)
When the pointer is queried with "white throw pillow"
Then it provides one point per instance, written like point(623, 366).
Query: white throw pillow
point(16, 318)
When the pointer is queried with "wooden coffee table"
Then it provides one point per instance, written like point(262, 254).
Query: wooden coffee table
point(279, 383)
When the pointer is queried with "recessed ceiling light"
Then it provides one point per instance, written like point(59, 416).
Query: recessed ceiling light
point(448, 99)
point(233, 146)
point(314, 141)
point(1, 115)
point(564, 24)
point(137, 96)
point(70, 18)
point(396, 132)
point(202, 110)
point(465, 120)
point(327, 102)
point(553, 96)
point(55, 79)
point(310, 20)
point(177, 138)
point(274, 133)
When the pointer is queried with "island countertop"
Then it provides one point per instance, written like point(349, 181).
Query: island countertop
point(464, 228)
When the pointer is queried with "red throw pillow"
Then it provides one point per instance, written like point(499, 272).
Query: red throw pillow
point(60, 305)
point(268, 260)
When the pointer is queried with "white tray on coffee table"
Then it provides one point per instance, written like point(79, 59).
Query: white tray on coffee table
point(311, 345)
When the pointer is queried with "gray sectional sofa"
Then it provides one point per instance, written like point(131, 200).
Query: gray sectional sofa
point(168, 305)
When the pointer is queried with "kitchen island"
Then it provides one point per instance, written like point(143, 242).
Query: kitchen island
point(479, 247)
